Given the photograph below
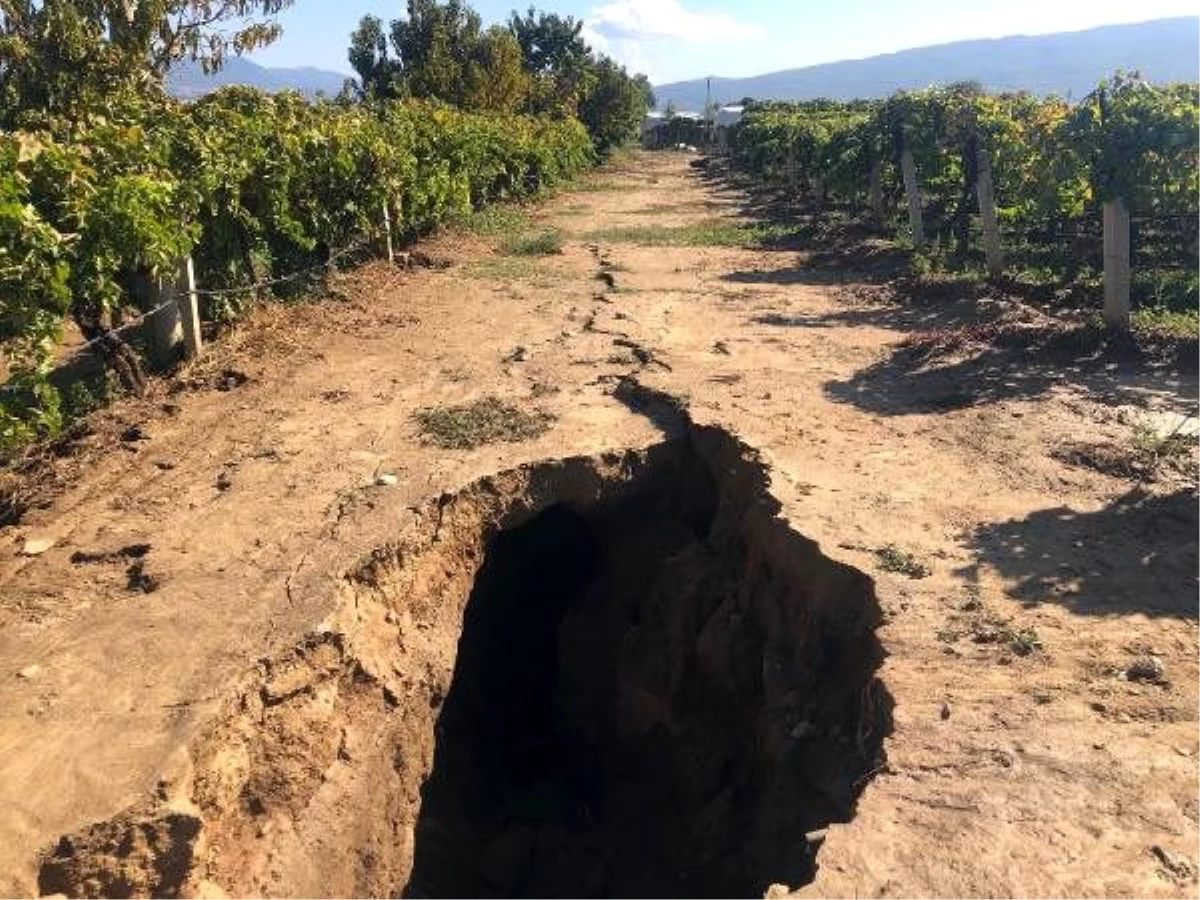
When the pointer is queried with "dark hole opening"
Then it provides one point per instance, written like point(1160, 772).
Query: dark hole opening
point(623, 722)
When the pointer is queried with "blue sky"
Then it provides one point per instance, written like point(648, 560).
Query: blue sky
point(672, 40)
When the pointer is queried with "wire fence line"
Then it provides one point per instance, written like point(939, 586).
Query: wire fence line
point(252, 288)
point(124, 326)
point(285, 279)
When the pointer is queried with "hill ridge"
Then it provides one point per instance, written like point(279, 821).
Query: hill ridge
point(1068, 63)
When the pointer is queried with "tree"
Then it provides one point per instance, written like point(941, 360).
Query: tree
point(60, 55)
point(557, 58)
point(539, 64)
point(616, 106)
point(433, 48)
point(550, 43)
point(496, 77)
point(440, 51)
point(377, 72)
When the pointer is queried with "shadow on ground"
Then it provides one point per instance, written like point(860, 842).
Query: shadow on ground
point(1022, 364)
point(970, 342)
point(835, 245)
point(1136, 555)
point(913, 380)
point(906, 317)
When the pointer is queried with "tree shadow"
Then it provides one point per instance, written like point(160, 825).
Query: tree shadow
point(822, 269)
point(1014, 364)
point(833, 237)
point(919, 317)
point(998, 355)
point(1136, 555)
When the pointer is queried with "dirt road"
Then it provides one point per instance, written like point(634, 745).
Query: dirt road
point(203, 534)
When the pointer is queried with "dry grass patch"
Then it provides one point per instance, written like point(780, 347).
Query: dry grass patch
point(486, 421)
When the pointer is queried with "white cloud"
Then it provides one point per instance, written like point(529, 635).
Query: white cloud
point(628, 52)
point(634, 20)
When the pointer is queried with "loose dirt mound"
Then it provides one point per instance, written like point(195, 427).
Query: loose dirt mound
point(610, 676)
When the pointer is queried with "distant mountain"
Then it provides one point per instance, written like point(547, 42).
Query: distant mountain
point(1069, 64)
point(188, 80)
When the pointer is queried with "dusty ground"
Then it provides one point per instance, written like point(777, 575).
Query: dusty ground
point(1008, 772)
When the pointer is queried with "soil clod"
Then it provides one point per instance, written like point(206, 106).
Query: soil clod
point(1146, 668)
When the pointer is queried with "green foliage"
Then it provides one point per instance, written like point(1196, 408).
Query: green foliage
point(1049, 160)
point(1052, 165)
point(368, 56)
point(550, 43)
point(65, 57)
point(284, 181)
point(559, 62)
point(35, 294)
point(616, 105)
point(1159, 321)
point(252, 186)
point(441, 52)
point(539, 64)
point(1138, 140)
point(106, 183)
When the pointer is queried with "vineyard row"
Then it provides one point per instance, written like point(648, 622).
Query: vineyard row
point(970, 169)
point(252, 187)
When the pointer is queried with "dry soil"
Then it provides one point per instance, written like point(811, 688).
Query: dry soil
point(223, 674)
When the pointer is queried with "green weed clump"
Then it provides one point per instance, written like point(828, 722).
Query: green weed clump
point(893, 559)
point(546, 242)
point(707, 233)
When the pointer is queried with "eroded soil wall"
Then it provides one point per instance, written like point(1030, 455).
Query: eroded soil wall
point(603, 676)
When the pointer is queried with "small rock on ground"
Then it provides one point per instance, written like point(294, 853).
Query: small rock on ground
point(36, 546)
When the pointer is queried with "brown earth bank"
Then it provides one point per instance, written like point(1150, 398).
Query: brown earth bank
point(748, 591)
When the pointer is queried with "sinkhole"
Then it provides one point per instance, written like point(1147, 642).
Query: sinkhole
point(620, 675)
point(657, 693)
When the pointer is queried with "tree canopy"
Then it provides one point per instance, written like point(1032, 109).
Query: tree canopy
point(59, 56)
point(440, 51)
point(560, 64)
point(616, 105)
point(539, 63)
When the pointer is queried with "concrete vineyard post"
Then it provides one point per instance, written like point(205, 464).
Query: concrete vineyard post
point(387, 233)
point(818, 191)
point(875, 191)
point(189, 308)
point(792, 174)
point(987, 214)
point(1116, 264)
point(908, 168)
point(164, 327)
